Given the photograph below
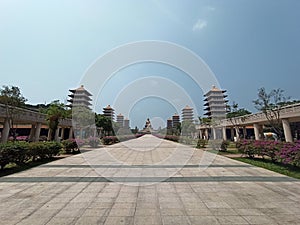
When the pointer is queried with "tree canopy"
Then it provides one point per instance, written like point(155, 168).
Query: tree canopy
point(11, 96)
point(55, 112)
point(235, 111)
point(270, 103)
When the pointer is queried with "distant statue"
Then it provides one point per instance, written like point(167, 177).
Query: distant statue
point(148, 124)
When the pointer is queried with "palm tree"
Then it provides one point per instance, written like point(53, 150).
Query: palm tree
point(55, 112)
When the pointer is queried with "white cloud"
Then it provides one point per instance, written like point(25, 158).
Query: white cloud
point(199, 25)
point(210, 8)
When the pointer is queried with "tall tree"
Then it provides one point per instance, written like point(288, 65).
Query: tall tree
point(271, 104)
point(12, 98)
point(104, 123)
point(234, 113)
point(188, 128)
point(55, 112)
point(83, 120)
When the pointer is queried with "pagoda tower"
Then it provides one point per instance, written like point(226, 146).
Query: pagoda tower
point(80, 97)
point(120, 120)
point(108, 111)
point(216, 103)
point(187, 114)
point(176, 120)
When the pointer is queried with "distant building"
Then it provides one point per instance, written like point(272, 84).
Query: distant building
point(176, 120)
point(126, 123)
point(187, 114)
point(216, 102)
point(169, 123)
point(80, 97)
point(109, 112)
point(120, 120)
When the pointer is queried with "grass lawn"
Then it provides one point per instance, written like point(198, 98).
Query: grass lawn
point(281, 168)
point(228, 152)
point(287, 170)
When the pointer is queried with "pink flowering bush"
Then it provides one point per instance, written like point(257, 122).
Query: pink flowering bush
point(22, 138)
point(93, 141)
point(80, 142)
point(290, 154)
point(108, 140)
point(284, 152)
point(70, 145)
point(246, 147)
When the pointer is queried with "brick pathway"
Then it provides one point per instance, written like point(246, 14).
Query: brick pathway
point(148, 181)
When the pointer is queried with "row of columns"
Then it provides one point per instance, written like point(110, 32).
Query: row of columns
point(60, 133)
point(257, 132)
point(34, 132)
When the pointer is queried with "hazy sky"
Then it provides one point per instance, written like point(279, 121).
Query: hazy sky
point(46, 46)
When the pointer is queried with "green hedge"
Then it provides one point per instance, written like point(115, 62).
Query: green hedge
point(21, 152)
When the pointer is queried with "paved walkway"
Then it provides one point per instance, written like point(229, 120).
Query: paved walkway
point(148, 181)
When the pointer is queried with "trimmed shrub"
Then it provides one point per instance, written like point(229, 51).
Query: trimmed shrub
point(201, 143)
point(52, 148)
point(186, 140)
point(70, 145)
point(246, 147)
point(80, 142)
point(108, 140)
point(289, 154)
point(93, 142)
point(5, 155)
point(174, 138)
point(21, 152)
point(224, 146)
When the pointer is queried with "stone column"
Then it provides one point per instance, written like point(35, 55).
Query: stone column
point(49, 134)
point(232, 133)
point(214, 133)
point(32, 132)
point(5, 131)
point(244, 132)
point(62, 135)
point(224, 133)
point(200, 134)
point(206, 134)
point(71, 133)
point(37, 132)
point(287, 130)
point(256, 131)
point(56, 136)
point(237, 133)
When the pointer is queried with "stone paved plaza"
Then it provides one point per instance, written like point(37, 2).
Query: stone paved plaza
point(148, 181)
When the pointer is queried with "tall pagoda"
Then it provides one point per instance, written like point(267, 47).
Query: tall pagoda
point(80, 97)
point(187, 114)
point(216, 103)
point(109, 112)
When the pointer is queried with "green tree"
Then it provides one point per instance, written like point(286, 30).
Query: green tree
point(233, 115)
point(104, 123)
point(12, 99)
point(187, 128)
point(271, 104)
point(83, 120)
point(204, 120)
point(55, 112)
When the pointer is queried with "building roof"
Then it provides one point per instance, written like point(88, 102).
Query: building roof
point(80, 89)
point(187, 108)
point(108, 107)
